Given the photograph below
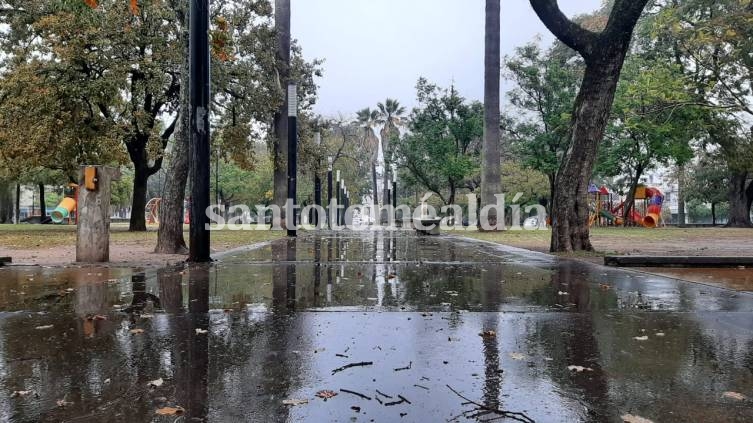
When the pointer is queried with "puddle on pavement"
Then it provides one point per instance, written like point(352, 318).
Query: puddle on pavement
point(280, 319)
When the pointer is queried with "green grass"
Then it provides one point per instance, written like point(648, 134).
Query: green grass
point(30, 237)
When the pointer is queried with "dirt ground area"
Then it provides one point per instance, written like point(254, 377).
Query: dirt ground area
point(654, 242)
point(49, 245)
point(639, 241)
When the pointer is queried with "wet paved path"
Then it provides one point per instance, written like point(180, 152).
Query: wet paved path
point(283, 319)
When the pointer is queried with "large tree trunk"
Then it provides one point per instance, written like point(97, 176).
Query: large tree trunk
point(630, 202)
point(739, 204)
point(6, 202)
point(570, 212)
point(170, 238)
point(280, 154)
point(604, 54)
point(491, 179)
point(713, 214)
point(138, 203)
point(42, 202)
point(17, 219)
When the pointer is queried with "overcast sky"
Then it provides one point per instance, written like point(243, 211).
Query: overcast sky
point(374, 49)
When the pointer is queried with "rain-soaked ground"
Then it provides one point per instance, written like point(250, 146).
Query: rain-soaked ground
point(421, 321)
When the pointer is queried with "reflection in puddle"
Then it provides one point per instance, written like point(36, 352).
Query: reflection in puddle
point(232, 340)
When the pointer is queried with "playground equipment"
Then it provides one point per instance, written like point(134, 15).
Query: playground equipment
point(68, 206)
point(645, 213)
point(152, 211)
point(655, 200)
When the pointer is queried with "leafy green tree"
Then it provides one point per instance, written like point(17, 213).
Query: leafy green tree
point(546, 84)
point(604, 53)
point(710, 41)
point(707, 182)
point(103, 85)
point(442, 148)
point(651, 124)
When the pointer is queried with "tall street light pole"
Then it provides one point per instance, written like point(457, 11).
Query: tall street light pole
point(292, 156)
point(339, 198)
point(394, 191)
point(198, 81)
point(317, 182)
point(330, 192)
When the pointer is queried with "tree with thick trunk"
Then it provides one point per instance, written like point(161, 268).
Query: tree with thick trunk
point(6, 202)
point(170, 238)
point(681, 219)
point(604, 54)
point(740, 188)
point(42, 202)
point(280, 142)
point(491, 178)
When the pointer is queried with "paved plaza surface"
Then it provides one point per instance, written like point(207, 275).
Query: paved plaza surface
point(401, 328)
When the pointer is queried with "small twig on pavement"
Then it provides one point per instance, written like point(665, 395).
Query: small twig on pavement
point(421, 386)
point(405, 368)
point(351, 365)
point(520, 417)
point(346, 391)
point(383, 394)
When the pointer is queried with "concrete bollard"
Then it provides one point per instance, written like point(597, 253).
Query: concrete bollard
point(93, 229)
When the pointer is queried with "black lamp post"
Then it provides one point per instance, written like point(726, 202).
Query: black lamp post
point(317, 183)
point(339, 198)
point(330, 192)
point(292, 156)
point(198, 81)
point(394, 190)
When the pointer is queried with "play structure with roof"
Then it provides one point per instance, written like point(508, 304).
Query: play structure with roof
point(608, 209)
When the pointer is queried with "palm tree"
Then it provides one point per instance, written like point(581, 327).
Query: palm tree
point(390, 116)
point(368, 119)
point(491, 180)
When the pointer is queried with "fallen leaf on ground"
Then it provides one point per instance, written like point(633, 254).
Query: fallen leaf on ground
point(629, 418)
point(326, 394)
point(295, 402)
point(170, 411)
point(200, 331)
point(44, 327)
point(137, 331)
point(63, 403)
point(488, 334)
point(517, 356)
point(641, 338)
point(579, 369)
point(734, 395)
point(20, 393)
point(659, 334)
point(156, 383)
point(605, 287)
point(147, 316)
